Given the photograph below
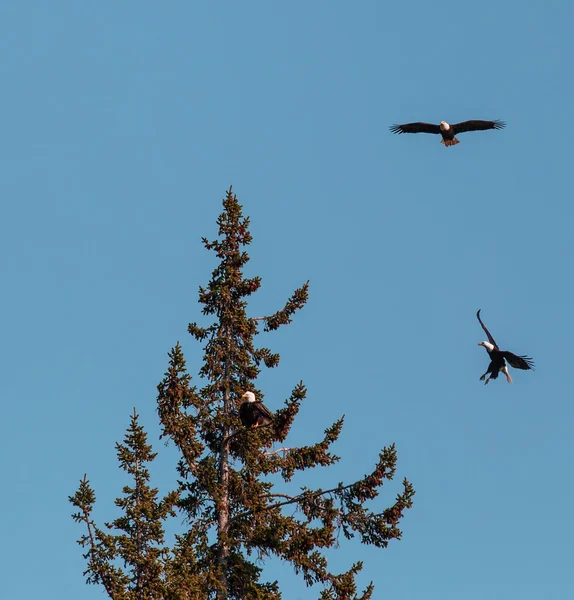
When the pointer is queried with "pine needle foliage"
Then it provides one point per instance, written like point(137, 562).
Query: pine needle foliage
point(232, 486)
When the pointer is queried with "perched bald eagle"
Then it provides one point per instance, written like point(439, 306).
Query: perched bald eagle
point(447, 131)
point(499, 357)
point(253, 413)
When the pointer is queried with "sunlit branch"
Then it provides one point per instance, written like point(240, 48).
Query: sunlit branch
point(284, 450)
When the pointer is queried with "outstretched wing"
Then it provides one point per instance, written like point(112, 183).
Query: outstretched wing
point(490, 338)
point(476, 126)
point(415, 128)
point(518, 362)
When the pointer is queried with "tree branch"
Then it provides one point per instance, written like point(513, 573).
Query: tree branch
point(284, 450)
point(298, 498)
point(99, 570)
point(245, 429)
point(279, 496)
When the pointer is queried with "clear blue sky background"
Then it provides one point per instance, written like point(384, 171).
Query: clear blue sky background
point(123, 124)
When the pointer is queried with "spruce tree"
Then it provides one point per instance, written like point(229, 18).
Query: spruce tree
point(140, 545)
point(235, 515)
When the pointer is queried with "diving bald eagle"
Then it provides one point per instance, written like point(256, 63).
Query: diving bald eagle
point(447, 131)
point(498, 356)
point(253, 413)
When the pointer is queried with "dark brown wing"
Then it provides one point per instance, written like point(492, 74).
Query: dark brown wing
point(490, 338)
point(263, 409)
point(415, 128)
point(518, 362)
point(476, 126)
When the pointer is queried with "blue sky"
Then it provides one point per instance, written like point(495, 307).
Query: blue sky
point(123, 126)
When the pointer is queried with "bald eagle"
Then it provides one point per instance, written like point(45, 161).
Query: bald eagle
point(499, 357)
point(253, 413)
point(447, 131)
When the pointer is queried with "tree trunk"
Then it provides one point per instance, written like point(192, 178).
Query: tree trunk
point(223, 512)
point(223, 519)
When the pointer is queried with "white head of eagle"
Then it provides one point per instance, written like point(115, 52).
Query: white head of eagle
point(249, 396)
point(489, 347)
point(444, 126)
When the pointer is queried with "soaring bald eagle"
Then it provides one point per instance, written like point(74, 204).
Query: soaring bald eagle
point(447, 131)
point(253, 413)
point(499, 357)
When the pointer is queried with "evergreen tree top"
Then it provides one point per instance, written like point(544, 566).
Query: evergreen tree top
point(232, 477)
